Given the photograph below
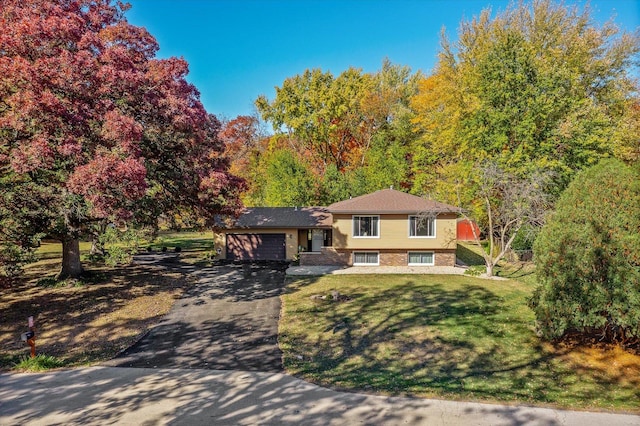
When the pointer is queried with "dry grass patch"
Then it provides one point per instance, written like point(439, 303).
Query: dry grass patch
point(607, 361)
point(87, 321)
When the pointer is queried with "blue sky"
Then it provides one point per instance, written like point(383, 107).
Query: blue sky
point(240, 49)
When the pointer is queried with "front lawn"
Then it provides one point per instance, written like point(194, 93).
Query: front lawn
point(443, 336)
point(187, 241)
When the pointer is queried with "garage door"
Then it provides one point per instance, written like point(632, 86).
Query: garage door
point(256, 247)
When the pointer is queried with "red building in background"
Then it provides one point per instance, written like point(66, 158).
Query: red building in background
point(465, 229)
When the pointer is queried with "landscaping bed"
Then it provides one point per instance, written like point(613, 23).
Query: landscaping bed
point(451, 337)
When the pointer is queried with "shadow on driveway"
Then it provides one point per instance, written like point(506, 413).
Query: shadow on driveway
point(227, 321)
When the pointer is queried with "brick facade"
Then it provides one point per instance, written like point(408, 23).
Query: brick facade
point(445, 258)
point(401, 258)
point(331, 256)
point(328, 256)
point(393, 258)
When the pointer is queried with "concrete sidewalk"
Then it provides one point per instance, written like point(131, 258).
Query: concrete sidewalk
point(135, 396)
point(364, 270)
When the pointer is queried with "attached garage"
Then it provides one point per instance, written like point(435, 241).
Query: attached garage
point(272, 233)
point(256, 247)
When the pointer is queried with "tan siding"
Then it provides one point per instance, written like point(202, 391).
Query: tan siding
point(220, 242)
point(394, 234)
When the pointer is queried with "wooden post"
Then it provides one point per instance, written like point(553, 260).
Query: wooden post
point(32, 342)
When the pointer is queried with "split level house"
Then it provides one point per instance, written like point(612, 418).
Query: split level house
point(385, 228)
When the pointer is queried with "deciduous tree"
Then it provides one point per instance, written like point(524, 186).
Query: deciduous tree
point(323, 113)
point(288, 180)
point(506, 205)
point(335, 119)
point(93, 127)
point(537, 87)
point(387, 160)
point(241, 136)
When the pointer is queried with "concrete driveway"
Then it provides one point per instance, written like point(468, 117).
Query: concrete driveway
point(227, 321)
point(143, 396)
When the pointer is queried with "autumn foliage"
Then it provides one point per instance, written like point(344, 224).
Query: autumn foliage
point(94, 127)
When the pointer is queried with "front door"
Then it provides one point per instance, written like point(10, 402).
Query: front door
point(317, 239)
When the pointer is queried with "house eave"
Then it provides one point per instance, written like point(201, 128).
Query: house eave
point(231, 227)
point(386, 212)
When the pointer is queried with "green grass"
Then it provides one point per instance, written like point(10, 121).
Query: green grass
point(469, 253)
point(53, 249)
point(188, 241)
point(524, 272)
point(442, 336)
point(39, 363)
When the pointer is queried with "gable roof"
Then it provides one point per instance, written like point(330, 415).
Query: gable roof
point(390, 201)
point(283, 217)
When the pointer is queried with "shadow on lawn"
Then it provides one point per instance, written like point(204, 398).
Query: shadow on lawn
point(468, 256)
point(450, 341)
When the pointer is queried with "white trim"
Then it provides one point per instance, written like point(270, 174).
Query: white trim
point(353, 258)
point(420, 236)
point(353, 228)
point(433, 258)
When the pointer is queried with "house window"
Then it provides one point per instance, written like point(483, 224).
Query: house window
point(366, 226)
point(365, 258)
point(422, 227)
point(421, 258)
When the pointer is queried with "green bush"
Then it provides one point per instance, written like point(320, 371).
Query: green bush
point(13, 257)
point(476, 270)
point(49, 282)
point(53, 282)
point(121, 245)
point(524, 239)
point(588, 257)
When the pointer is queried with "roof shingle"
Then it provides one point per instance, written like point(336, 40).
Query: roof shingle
point(390, 201)
point(283, 217)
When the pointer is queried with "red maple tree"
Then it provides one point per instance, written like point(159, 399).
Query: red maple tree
point(94, 127)
point(241, 137)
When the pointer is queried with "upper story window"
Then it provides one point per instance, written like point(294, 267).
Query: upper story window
point(422, 226)
point(366, 226)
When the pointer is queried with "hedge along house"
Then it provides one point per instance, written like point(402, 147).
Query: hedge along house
point(389, 228)
point(273, 233)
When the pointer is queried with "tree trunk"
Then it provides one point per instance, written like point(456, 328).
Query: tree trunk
point(71, 265)
point(489, 269)
point(96, 247)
